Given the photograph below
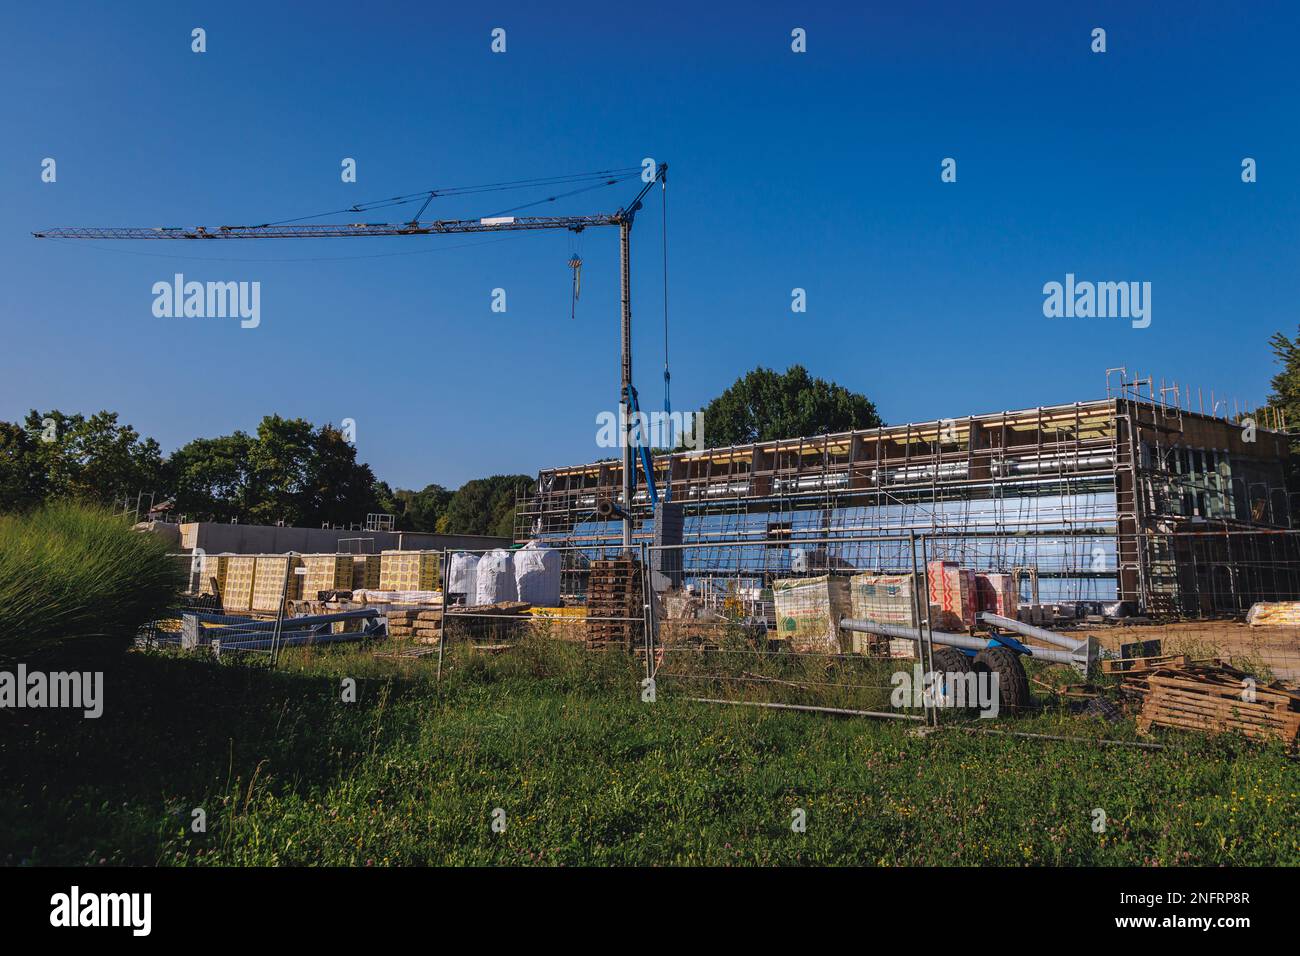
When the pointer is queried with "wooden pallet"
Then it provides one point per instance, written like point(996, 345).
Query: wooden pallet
point(1209, 698)
point(614, 591)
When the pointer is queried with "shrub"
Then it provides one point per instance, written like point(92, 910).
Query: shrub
point(76, 578)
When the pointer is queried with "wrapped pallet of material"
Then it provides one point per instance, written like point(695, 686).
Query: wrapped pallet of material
point(365, 572)
point(494, 578)
point(410, 570)
point(996, 593)
point(270, 586)
point(1274, 614)
point(885, 599)
point(326, 572)
point(212, 573)
point(537, 574)
point(808, 612)
point(952, 596)
point(462, 575)
point(238, 589)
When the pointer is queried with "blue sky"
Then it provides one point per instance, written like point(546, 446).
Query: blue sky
point(817, 170)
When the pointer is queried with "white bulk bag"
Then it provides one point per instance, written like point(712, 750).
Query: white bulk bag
point(537, 574)
point(495, 578)
point(462, 576)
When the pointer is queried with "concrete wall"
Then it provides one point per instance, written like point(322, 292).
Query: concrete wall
point(216, 538)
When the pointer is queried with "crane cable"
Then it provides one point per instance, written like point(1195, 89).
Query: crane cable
point(668, 405)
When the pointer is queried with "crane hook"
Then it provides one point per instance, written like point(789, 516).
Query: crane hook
point(575, 263)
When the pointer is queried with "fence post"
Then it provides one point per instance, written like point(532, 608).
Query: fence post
point(442, 631)
point(647, 610)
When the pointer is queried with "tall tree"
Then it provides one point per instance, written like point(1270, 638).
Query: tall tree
point(94, 459)
point(764, 404)
point(22, 474)
point(209, 477)
point(484, 506)
point(1286, 396)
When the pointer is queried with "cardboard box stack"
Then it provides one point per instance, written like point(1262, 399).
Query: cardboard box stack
point(808, 612)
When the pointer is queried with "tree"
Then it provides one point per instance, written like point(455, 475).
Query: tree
point(484, 506)
point(209, 477)
point(339, 489)
point(93, 459)
point(1286, 396)
point(425, 507)
point(22, 474)
point(764, 405)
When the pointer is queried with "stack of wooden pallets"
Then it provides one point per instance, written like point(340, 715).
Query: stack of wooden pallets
point(614, 604)
point(1214, 697)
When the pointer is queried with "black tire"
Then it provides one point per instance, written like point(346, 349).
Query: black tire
point(1013, 682)
point(949, 660)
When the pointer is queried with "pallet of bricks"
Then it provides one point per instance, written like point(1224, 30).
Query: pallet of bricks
point(614, 604)
point(410, 570)
point(421, 624)
point(1212, 697)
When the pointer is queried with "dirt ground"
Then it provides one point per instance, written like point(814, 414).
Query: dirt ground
point(1277, 648)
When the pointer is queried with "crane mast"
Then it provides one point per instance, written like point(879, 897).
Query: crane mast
point(623, 219)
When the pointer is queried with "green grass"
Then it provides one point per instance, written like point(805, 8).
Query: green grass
point(77, 580)
point(588, 774)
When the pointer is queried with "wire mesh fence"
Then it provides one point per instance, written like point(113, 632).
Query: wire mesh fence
point(921, 627)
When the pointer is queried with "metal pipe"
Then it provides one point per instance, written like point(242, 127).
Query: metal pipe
point(1028, 630)
point(1077, 659)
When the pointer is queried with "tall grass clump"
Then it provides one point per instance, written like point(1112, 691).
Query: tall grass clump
point(76, 579)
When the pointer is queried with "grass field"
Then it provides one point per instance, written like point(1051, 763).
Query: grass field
point(586, 773)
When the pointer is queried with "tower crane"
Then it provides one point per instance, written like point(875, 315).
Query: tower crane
point(621, 218)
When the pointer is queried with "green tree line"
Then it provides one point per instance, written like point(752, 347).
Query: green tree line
point(305, 475)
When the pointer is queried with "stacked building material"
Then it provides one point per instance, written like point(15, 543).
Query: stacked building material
point(270, 587)
point(1274, 614)
point(808, 612)
point(614, 604)
point(237, 593)
point(423, 625)
point(953, 603)
point(365, 572)
point(326, 572)
point(212, 574)
point(997, 593)
point(410, 570)
point(1215, 698)
point(885, 599)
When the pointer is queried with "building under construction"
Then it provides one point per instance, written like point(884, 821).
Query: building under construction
point(1130, 499)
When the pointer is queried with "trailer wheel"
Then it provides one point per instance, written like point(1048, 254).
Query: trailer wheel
point(1013, 682)
point(949, 660)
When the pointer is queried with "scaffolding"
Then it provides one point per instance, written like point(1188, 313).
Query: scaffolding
point(1090, 494)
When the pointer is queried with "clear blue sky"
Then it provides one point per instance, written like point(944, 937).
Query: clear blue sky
point(818, 170)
